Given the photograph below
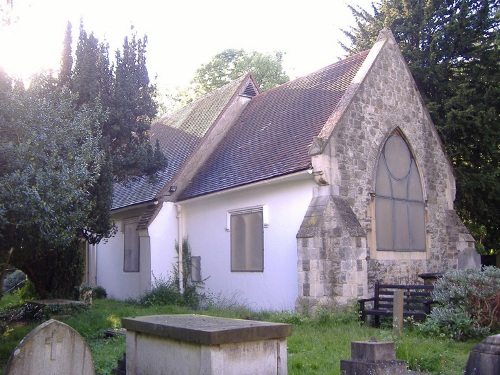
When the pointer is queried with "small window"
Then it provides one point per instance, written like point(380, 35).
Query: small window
point(131, 246)
point(196, 269)
point(247, 240)
point(399, 201)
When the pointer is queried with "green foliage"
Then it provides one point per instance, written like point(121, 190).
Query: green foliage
point(230, 64)
point(14, 281)
point(125, 101)
point(163, 292)
point(452, 49)
point(452, 322)
point(469, 303)
point(190, 287)
point(49, 157)
point(128, 101)
point(63, 143)
point(313, 348)
point(27, 292)
point(99, 292)
point(169, 292)
point(66, 58)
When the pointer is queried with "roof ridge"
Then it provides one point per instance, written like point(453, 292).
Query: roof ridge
point(318, 71)
point(203, 97)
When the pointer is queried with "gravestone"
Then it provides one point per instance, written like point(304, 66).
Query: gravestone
point(51, 348)
point(484, 358)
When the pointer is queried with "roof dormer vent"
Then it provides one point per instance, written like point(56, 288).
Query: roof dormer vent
point(250, 91)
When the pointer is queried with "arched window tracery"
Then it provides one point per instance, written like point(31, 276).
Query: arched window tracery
point(399, 199)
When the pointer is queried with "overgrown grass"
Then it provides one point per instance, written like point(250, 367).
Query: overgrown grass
point(316, 346)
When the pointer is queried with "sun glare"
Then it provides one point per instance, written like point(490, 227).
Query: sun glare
point(27, 45)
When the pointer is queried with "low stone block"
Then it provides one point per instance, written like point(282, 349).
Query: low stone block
point(373, 351)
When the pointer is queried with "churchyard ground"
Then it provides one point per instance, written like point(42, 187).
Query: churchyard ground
point(316, 345)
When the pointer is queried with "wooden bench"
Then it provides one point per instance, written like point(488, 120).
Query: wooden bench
point(417, 301)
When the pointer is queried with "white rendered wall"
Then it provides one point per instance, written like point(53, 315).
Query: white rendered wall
point(109, 266)
point(205, 222)
point(156, 257)
point(163, 234)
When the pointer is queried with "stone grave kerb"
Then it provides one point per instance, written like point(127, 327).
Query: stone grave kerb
point(51, 348)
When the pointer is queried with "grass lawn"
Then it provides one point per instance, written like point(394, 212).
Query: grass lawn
point(316, 346)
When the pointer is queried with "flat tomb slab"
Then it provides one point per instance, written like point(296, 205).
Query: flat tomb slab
point(206, 330)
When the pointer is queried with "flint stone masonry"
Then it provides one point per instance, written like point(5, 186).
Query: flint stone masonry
point(338, 230)
point(198, 344)
point(52, 348)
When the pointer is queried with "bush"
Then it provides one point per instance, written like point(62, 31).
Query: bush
point(99, 292)
point(163, 292)
point(469, 303)
point(13, 281)
point(27, 292)
point(452, 322)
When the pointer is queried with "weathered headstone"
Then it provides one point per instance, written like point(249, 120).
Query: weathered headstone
point(484, 358)
point(51, 348)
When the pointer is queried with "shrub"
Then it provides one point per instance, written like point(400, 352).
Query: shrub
point(27, 292)
point(452, 322)
point(13, 281)
point(469, 303)
point(163, 292)
point(99, 292)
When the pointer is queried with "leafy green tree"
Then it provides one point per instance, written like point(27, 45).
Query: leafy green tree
point(230, 64)
point(452, 48)
point(50, 156)
point(64, 142)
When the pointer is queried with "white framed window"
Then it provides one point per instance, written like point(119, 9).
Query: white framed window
point(246, 227)
point(131, 253)
point(399, 200)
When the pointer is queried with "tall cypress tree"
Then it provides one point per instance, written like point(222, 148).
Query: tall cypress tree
point(124, 96)
point(66, 58)
point(452, 48)
point(133, 109)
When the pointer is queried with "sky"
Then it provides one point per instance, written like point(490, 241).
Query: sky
point(182, 34)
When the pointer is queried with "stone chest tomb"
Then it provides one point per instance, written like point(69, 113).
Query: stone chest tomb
point(198, 344)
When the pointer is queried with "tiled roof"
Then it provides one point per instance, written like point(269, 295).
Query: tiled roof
point(273, 134)
point(179, 134)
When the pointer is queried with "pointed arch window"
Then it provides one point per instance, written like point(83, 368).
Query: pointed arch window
point(399, 200)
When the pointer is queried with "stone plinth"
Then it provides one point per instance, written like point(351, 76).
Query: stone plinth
point(198, 344)
point(373, 358)
point(484, 358)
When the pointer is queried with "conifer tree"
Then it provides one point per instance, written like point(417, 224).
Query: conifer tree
point(66, 58)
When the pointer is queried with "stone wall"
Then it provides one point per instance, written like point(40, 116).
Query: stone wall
point(386, 99)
